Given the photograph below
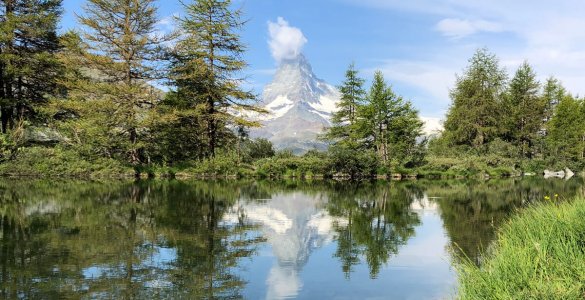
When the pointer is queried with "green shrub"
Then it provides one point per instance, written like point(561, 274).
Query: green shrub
point(58, 161)
point(223, 164)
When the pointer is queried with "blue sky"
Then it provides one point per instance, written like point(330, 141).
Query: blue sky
point(418, 44)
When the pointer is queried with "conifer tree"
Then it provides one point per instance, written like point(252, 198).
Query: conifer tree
point(388, 122)
point(474, 117)
point(28, 67)
point(552, 94)
point(524, 110)
point(207, 68)
point(343, 127)
point(120, 48)
point(566, 130)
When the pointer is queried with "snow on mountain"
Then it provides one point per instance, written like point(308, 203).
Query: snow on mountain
point(300, 106)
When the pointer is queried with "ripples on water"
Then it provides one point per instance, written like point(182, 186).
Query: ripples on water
point(255, 240)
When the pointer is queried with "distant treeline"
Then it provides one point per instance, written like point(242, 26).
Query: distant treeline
point(85, 103)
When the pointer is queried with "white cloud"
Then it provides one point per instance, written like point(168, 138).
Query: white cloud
point(431, 78)
point(432, 125)
point(286, 42)
point(459, 28)
point(547, 34)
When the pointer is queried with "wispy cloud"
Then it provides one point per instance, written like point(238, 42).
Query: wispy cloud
point(549, 35)
point(459, 28)
point(433, 80)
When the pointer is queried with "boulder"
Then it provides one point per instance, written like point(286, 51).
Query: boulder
point(551, 174)
point(568, 173)
point(43, 136)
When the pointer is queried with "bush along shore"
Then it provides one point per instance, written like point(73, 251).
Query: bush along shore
point(539, 254)
point(266, 163)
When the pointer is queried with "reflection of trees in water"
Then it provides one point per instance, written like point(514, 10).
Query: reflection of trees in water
point(473, 211)
point(170, 239)
point(54, 236)
point(379, 221)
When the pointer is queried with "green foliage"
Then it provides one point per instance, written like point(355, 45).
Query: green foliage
point(28, 66)
point(566, 131)
point(344, 120)
point(61, 162)
point(538, 255)
point(286, 164)
point(508, 125)
point(355, 163)
point(524, 111)
point(257, 149)
point(473, 118)
point(221, 165)
point(107, 78)
point(374, 129)
point(7, 145)
point(205, 65)
point(176, 132)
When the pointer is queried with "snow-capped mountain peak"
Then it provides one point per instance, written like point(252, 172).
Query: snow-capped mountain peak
point(295, 84)
point(300, 106)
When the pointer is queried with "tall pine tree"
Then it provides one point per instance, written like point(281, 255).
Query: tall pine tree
point(121, 46)
point(474, 117)
point(566, 130)
point(28, 66)
point(343, 127)
point(524, 110)
point(388, 123)
point(207, 68)
point(552, 95)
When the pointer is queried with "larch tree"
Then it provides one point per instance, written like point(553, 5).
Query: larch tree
point(566, 130)
point(343, 121)
point(121, 46)
point(524, 110)
point(207, 68)
point(473, 118)
point(28, 66)
point(388, 122)
point(553, 93)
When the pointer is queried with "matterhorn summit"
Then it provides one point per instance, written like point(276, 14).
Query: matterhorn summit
point(300, 107)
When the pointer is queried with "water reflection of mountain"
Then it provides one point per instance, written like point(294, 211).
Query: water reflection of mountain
point(294, 224)
point(368, 221)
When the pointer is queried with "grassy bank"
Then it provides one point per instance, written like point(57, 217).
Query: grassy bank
point(539, 254)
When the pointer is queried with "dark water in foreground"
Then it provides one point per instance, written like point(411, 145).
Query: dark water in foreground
point(253, 240)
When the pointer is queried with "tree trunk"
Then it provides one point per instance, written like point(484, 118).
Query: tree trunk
point(211, 127)
point(134, 157)
point(3, 128)
point(8, 96)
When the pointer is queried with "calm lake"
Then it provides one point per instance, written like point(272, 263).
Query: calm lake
point(252, 240)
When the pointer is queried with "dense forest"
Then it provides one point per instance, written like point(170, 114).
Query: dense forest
point(90, 103)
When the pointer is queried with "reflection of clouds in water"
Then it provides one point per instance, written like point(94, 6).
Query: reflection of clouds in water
point(425, 205)
point(158, 260)
point(283, 282)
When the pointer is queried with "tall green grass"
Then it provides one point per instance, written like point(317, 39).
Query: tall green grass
point(539, 254)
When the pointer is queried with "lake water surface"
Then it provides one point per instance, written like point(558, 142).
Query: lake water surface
point(252, 240)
